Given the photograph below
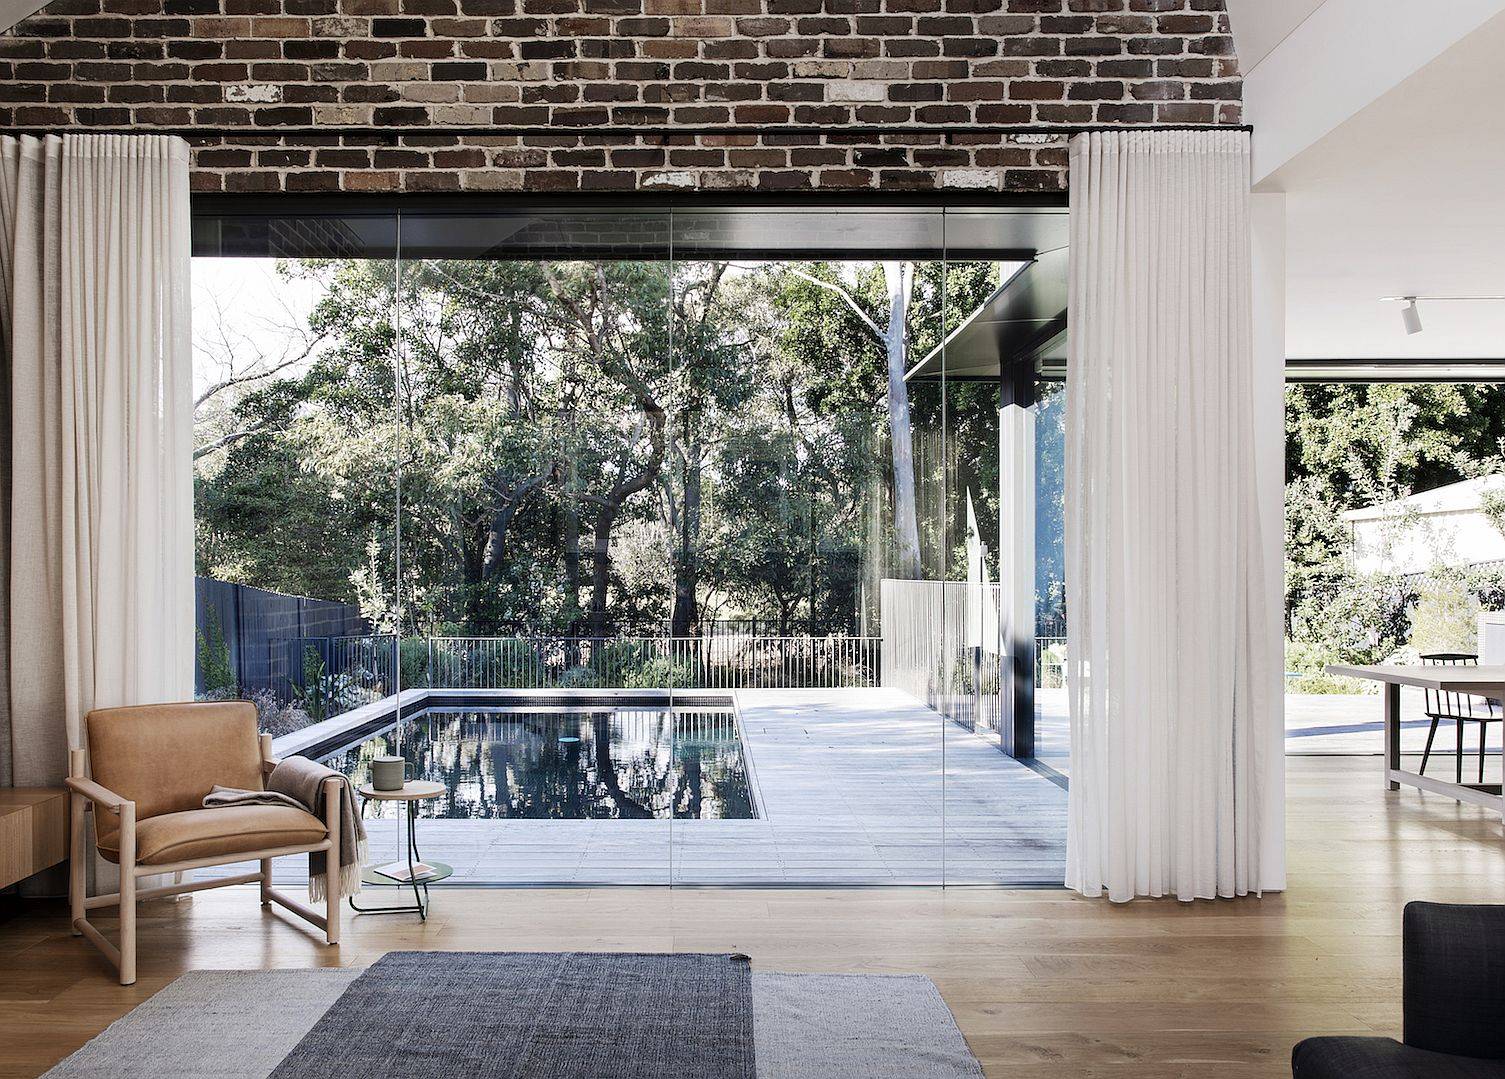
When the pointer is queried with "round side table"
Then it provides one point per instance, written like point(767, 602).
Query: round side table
point(412, 792)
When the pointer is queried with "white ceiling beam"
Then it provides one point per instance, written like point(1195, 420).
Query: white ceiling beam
point(1339, 57)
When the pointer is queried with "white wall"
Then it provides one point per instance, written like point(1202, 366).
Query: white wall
point(1268, 227)
point(1460, 537)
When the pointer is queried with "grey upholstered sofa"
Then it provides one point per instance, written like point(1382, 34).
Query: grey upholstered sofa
point(1453, 999)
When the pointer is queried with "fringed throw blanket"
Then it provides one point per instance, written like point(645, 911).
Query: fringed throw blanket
point(299, 782)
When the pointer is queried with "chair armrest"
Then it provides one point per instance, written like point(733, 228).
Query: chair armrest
point(97, 794)
point(1454, 981)
point(268, 762)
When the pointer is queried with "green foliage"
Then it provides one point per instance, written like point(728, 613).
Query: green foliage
point(218, 675)
point(1446, 615)
point(318, 688)
point(414, 662)
point(1354, 445)
point(1356, 619)
point(1305, 670)
point(721, 428)
point(581, 678)
point(661, 673)
point(1492, 505)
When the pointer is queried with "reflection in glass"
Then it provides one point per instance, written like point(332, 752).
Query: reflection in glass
point(1052, 723)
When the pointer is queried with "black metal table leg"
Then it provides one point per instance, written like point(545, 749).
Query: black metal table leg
point(420, 888)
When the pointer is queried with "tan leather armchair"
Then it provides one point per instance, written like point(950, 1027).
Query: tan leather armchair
point(151, 766)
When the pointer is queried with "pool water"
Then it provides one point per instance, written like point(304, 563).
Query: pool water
point(569, 763)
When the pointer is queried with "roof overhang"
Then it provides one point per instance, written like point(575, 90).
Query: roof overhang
point(1023, 320)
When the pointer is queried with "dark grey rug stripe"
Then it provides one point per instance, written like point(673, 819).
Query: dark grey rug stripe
point(536, 1015)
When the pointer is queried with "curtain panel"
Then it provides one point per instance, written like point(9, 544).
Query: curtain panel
point(1170, 645)
point(96, 527)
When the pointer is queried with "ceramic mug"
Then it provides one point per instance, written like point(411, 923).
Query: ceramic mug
point(388, 773)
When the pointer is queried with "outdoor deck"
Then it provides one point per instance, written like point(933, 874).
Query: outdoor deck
point(851, 790)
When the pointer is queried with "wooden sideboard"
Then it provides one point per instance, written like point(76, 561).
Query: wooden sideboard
point(33, 831)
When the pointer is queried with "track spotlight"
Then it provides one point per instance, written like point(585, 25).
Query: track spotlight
point(1410, 316)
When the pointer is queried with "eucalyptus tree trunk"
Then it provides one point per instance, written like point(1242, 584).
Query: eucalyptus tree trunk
point(687, 557)
point(899, 276)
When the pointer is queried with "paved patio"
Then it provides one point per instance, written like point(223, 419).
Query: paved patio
point(851, 789)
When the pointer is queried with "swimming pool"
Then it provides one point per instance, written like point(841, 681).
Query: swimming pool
point(569, 763)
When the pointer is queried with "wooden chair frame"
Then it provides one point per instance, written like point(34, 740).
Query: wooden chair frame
point(86, 795)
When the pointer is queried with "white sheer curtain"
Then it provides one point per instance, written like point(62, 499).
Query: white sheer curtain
point(1170, 648)
point(97, 586)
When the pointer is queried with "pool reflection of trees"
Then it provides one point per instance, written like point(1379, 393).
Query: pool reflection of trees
point(630, 764)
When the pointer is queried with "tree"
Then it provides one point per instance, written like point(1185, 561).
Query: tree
point(608, 316)
point(584, 445)
point(890, 329)
point(1354, 444)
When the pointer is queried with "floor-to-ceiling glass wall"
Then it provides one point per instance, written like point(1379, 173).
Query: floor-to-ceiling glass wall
point(804, 493)
point(1052, 720)
point(1005, 300)
point(538, 392)
point(1394, 551)
point(296, 420)
point(705, 569)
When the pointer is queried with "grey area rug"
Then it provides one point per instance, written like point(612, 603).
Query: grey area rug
point(536, 1015)
point(231, 1024)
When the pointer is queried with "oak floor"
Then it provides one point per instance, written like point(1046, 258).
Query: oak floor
point(1042, 983)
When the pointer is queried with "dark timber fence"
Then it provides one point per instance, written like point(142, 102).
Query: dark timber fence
point(257, 632)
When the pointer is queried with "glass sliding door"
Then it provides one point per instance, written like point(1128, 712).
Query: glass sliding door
point(699, 545)
point(537, 393)
point(1052, 721)
point(1005, 299)
point(295, 473)
point(798, 510)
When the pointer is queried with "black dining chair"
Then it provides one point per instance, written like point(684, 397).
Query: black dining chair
point(1461, 708)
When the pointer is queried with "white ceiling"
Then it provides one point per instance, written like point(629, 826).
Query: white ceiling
point(1260, 25)
point(1406, 197)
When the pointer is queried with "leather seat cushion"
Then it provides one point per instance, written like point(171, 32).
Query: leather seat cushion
point(212, 833)
point(1383, 1058)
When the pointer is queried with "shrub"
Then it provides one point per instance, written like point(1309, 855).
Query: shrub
point(275, 718)
point(414, 660)
point(1305, 661)
point(1353, 618)
point(214, 658)
point(661, 673)
point(1446, 615)
point(579, 678)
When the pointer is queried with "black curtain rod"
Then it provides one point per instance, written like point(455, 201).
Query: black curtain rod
point(477, 131)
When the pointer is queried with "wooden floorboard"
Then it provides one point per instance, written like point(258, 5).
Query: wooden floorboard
point(1043, 983)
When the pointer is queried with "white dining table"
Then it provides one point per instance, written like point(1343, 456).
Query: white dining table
point(1478, 681)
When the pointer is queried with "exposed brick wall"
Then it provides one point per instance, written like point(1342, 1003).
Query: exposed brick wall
point(622, 94)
